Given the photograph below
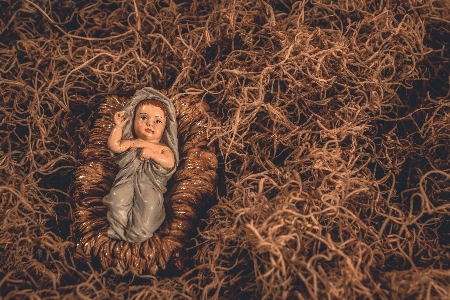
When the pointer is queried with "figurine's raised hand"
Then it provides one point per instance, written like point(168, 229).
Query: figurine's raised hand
point(115, 142)
point(119, 119)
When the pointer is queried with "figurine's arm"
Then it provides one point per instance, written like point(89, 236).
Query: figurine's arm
point(115, 142)
point(162, 155)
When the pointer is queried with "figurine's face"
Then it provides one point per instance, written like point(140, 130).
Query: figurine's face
point(149, 123)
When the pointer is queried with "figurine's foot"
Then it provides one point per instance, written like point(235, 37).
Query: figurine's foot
point(133, 238)
point(112, 234)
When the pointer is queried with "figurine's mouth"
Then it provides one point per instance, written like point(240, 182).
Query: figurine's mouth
point(149, 130)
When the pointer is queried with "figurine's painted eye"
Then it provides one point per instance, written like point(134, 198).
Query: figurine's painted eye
point(143, 118)
point(158, 122)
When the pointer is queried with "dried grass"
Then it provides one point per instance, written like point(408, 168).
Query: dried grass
point(332, 132)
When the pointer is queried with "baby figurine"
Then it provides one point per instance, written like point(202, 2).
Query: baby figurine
point(147, 155)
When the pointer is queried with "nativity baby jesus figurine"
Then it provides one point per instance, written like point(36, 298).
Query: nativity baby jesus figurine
point(144, 139)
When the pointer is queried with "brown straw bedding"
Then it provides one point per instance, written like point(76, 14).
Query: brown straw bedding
point(329, 121)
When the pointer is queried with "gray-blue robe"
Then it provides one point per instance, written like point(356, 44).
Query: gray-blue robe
point(135, 203)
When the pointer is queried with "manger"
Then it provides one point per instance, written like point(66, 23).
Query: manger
point(189, 190)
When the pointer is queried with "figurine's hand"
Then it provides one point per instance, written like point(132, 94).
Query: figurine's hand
point(147, 153)
point(119, 119)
